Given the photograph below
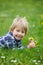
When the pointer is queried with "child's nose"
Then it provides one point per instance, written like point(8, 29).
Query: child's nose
point(19, 33)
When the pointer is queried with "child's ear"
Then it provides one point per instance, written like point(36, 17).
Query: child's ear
point(12, 30)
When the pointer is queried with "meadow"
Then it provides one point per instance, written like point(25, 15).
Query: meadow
point(33, 11)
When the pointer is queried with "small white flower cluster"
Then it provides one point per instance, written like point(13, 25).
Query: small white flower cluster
point(3, 57)
point(36, 62)
point(14, 61)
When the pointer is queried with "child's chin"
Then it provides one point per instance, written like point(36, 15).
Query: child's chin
point(18, 38)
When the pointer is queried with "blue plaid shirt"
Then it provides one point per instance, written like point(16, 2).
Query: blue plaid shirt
point(9, 41)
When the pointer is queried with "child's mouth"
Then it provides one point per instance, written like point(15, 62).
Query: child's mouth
point(19, 36)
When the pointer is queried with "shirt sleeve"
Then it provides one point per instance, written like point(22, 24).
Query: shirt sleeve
point(6, 41)
point(20, 46)
point(2, 42)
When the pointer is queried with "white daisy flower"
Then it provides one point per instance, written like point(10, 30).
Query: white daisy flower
point(3, 57)
point(14, 61)
point(34, 61)
point(39, 61)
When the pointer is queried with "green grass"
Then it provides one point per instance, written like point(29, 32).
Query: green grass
point(33, 11)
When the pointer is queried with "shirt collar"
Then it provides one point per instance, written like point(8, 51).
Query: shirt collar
point(10, 33)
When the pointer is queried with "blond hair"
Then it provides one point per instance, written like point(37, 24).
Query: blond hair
point(18, 21)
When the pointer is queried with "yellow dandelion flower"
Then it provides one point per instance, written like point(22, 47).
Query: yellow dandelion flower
point(31, 38)
point(41, 23)
point(26, 64)
point(41, 16)
point(20, 63)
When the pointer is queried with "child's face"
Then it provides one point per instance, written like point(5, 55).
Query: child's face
point(18, 33)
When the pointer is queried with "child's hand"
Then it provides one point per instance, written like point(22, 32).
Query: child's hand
point(31, 44)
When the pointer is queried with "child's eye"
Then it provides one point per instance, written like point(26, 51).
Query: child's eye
point(22, 31)
point(17, 30)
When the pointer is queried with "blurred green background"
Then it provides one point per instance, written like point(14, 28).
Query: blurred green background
point(32, 10)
